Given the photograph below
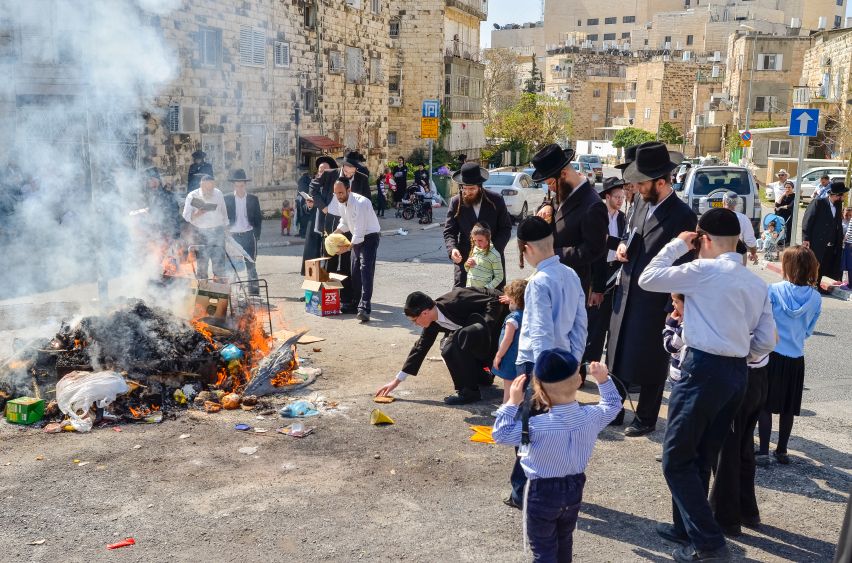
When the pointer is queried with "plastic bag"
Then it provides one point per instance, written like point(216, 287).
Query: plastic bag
point(298, 409)
point(79, 389)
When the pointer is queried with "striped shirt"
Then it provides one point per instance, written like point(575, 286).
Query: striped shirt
point(488, 271)
point(561, 440)
point(848, 238)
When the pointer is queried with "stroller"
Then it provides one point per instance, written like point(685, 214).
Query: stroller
point(772, 249)
point(418, 204)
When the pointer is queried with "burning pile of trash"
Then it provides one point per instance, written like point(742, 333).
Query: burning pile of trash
point(141, 363)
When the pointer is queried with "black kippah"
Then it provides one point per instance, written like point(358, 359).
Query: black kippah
point(720, 222)
point(532, 229)
point(555, 365)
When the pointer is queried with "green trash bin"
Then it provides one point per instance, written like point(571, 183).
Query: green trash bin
point(443, 184)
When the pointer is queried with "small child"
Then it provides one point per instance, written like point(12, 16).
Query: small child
point(504, 361)
point(769, 236)
point(673, 336)
point(484, 267)
point(286, 217)
point(560, 445)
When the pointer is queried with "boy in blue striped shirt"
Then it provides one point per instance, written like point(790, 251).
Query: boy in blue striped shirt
point(561, 443)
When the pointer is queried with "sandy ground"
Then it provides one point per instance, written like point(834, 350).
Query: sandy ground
point(418, 490)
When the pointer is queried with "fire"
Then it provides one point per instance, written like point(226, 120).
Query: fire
point(142, 412)
point(286, 377)
point(204, 330)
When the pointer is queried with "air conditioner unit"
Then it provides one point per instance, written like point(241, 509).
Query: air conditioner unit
point(717, 56)
point(795, 23)
point(395, 101)
point(715, 71)
point(667, 45)
point(823, 21)
point(183, 119)
point(626, 46)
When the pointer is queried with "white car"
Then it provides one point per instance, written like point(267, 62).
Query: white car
point(587, 170)
point(810, 181)
point(521, 194)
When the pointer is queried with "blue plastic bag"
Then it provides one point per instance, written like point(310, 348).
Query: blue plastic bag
point(299, 409)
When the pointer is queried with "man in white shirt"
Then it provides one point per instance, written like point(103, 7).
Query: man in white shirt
point(728, 321)
point(246, 220)
point(205, 210)
point(778, 187)
point(359, 218)
point(732, 200)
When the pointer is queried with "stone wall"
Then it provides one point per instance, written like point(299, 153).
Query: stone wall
point(831, 58)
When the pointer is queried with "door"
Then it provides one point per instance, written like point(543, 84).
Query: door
point(253, 149)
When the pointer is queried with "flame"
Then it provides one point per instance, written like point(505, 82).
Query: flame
point(143, 411)
point(286, 376)
point(203, 329)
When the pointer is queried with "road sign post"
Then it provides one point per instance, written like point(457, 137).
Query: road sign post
point(429, 128)
point(804, 123)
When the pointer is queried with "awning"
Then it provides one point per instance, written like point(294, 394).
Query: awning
point(319, 143)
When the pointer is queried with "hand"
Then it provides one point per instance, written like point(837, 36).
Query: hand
point(470, 263)
point(689, 238)
point(545, 213)
point(676, 315)
point(456, 256)
point(752, 255)
point(325, 210)
point(386, 390)
point(598, 372)
point(806, 243)
point(504, 299)
point(344, 247)
point(497, 359)
point(621, 253)
point(595, 299)
point(516, 391)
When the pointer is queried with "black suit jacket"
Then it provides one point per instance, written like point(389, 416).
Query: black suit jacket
point(193, 181)
point(602, 270)
point(580, 231)
point(458, 305)
point(255, 217)
point(322, 190)
point(820, 228)
point(361, 182)
point(493, 211)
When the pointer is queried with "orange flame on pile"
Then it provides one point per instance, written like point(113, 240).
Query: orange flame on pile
point(286, 376)
point(203, 329)
point(143, 411)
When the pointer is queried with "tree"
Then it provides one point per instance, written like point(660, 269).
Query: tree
point(499, 87)
point(669, 134)
point(536, 120)
point(532, 85)
point(630, 136)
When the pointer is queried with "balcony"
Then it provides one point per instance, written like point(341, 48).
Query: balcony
point(477, 8)
point(624, 96)
point(607, 71)
point(622, 122)
point(814, 97)
point(461, 50)
point(463, 107)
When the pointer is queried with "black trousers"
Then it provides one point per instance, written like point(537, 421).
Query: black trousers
point(598, 318)
point(732, 498)
point(363, 271)
point(249, 243)
point(465, 369)
point(648, 406)
point(828, 264)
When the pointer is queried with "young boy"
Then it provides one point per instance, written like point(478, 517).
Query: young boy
point(561, 443)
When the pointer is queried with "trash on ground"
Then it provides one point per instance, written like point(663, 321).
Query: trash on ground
point(383, 399)
point(242, 427)
point(38, 542)
point(482, 434)
point(231, 401)
point(83, 464)
point(24, 410)
point(137, 447)
point(77, 391)
point(298, 409)
point(379, 418)
point(126, 542)
point(261, 430)
point(317, 350)
point(248, 450)
point(52, 428)
point(184, 436)
point(297, 430)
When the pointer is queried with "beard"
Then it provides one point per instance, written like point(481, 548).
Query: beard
point(564, 189)
point(653, 195)
point(472, 199)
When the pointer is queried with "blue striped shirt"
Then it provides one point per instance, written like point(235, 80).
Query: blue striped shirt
point(561, 440)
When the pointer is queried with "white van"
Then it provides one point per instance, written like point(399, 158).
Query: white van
point(705, 187)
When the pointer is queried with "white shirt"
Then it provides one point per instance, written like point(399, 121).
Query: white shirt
point(652, 208)
point(241, 222)
point(477, 207)
point(746, 230)
point(613, 232)
point(211, 219)
point(778, 189)
point(358, 218)
point(727, 310)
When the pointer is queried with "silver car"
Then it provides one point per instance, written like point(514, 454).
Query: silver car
point(810, 181)
point(521, 194)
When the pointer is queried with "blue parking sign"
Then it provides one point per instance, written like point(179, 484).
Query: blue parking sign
point(804, 122)
point(431, 108)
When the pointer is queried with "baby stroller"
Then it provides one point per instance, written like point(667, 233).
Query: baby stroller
point(419, 206)
point(772, 249)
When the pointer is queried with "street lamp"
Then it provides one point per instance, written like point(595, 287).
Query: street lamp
point(750, 78)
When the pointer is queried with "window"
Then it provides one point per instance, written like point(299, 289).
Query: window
point(579, 23)
point(766, 103)
point(376, 73)
point(673, 114)
point(628, 19)
point(280, 143)
point(707, 181)
point(354, 4)
point(769, 62)
point(780, 148)
point(839, 2)
point(689, 39)
point(647, 113)
point(610, 21)
point(625, 35)
point(310, 100)
point(281, 52)
point(376, 6)
point(392, 138)
point(335, 62)
point(394, 28)
point(609, 37)
point(838, 22)
point(596, 117)
point(667, 39)
point(592, 37)
point(393, 84)
point(252, 46)
point(210, 47)
point(354, 64)
point(596, 93)
point(592, 21)
point(649, 85)
point(310, 16)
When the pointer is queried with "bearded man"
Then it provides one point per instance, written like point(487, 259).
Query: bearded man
point(473, 205)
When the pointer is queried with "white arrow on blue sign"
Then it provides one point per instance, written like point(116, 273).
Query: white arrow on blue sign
point(431, 108)
point(804, 122)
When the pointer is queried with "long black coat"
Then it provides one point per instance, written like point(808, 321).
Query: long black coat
point(602, 271)
point(458, 305)
point(820, 229)
point(193, 180)
point(461, 221)
point(635, 353)
point(580, 232)
point(322, 190)
point(255, 218)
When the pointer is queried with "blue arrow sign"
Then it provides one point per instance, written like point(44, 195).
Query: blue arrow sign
point(804, 122)
point(431, 108)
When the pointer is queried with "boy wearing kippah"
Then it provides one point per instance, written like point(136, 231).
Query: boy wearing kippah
point(560, 445)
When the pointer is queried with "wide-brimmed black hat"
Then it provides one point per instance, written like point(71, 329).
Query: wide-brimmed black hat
point(838, 188)
point(353, 158)
point(549, 161)
point(471, 173)
point(239, 175)
point(199, 154)
point(653, 160)
point(328, 160)
point(720, 222)
point(610, 183)
point(629, 156)
point(553, 366)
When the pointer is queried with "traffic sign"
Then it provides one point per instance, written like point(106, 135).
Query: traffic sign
point(745, 143)
point(804, 122)
point(429, 128)
point(746, 135)
point(431, 108)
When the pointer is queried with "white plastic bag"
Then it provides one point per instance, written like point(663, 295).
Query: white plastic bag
point(79, 389)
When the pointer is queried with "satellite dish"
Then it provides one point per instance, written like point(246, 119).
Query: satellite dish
point(496, 26)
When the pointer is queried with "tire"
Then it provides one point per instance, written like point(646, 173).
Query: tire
point(525, 212)
point(408, 213)
point(427, 219)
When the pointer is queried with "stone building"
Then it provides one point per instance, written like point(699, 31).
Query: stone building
point(435, 55)
point(526, 40)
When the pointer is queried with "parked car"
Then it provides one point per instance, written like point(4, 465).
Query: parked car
point(521, 194)
point(705, 187)
point(586, 169)
point(810, 181)
point(596, 164)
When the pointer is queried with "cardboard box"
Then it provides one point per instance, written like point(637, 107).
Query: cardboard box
point(322, 298)
point(24, 410)
point(207, 299)
point(315, 270)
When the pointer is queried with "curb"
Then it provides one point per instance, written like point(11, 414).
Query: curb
point(833, 290)
point(279, 244)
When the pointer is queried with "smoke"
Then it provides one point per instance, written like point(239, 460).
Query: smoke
point(77, 79)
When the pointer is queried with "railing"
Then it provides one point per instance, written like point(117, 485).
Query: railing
point(806, 95)
point(622, 121)
point(624, 96)
point(478, 8)
point(607, 71)
point(463, 104)
point(462, 50)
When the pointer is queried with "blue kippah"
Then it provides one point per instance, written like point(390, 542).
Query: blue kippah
point(555, 365)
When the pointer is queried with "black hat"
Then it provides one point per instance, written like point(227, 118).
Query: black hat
point(328, 160)
point(475, 337)
point(653, 160)
point(838, 188)
point(471, 173)
point(462, 158)
point(203, 176)
point(152, 172)
point(553, 366)
point(629, 156)
point(353, 158)
point(550, 161)
point(610, 183)
point(534, 228)
point(199, 154)
point(720, 222)
point(239, 175)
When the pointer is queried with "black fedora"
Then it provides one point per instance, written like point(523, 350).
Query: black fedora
point(328, 160)
point(152, 172)
point(354, 158)
point(838, 188)
point(199, 154)
point(239, 175)
point(653, 160)
point(471, 173)
point(549, 161)
point(629, 156)
point(610, 183)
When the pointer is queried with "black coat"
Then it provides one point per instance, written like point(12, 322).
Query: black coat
point(820, 228)
point(635, 352)
point(322, 190)
point(580, 232)
point(361, 182)
point(193, 181)
point(458, 305)
point(602, 270)
point(255, 217)
point(421, 177)
point(784, 207)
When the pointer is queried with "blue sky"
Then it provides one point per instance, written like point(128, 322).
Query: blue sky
point(506, 11)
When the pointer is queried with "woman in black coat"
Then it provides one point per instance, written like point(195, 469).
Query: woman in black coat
point(784, 208)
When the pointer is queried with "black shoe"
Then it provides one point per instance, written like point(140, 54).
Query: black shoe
point(689, 553)
point(669, 533)
point(618, 420)
point(363, 316)
point(731, 530)
point(635, 430)
point(752, 522)
point(487, 379)
point(509, 500)
point(463, 397)
point(348, 309)
point(782, 457)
